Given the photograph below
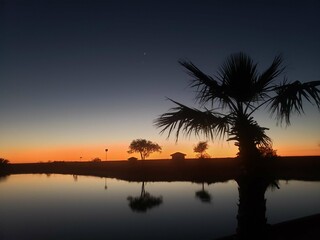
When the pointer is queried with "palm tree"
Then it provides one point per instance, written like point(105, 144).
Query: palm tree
point(230, 98)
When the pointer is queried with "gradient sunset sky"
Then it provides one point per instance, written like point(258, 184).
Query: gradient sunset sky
point(78, 77)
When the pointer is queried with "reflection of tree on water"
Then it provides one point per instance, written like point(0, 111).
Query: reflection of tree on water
point(203, 195)
point(252, 221)
point(3, 177)
point(144, 202)
point(75, 177)
point(105, 182)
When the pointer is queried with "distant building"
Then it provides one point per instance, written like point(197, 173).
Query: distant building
point(178, 156)
point(132, 159)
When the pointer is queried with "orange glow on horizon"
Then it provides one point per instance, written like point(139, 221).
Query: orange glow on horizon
point(118, 151)
point(298, 151)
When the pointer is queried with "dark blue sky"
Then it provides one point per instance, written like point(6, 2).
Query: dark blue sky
point(87, 71)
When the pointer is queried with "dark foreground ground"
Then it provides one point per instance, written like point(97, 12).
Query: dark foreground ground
point(306, 228)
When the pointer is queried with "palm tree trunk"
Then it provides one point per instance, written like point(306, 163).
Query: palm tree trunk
point(248, 152)
point(245, 133)
point(252, 221)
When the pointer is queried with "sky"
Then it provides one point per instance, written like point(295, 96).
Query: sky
point(78, 77)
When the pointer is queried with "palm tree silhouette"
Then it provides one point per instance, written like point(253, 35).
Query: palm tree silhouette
point(230, 98)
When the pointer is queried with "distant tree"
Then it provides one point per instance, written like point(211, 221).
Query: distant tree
point(201, 148)
point(144, 147)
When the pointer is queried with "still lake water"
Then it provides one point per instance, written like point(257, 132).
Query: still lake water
point(70, 207)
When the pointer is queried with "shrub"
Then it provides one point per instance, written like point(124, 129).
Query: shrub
point(3, 162)
point(96, 160)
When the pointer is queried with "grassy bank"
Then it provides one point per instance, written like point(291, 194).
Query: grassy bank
point(195, 170)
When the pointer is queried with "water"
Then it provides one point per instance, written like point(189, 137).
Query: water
point(70, 207)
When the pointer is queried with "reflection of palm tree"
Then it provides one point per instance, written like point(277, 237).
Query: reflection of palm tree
point(144, 202)
point(238, 91)
point(252, 221)
point(203, 195)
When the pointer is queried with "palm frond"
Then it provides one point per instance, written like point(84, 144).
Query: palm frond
point(246, 125)
point(261, 138)
point(208, 89)
point(239, 74)
point(187, 120)
point(269, 76)
point(289, 98)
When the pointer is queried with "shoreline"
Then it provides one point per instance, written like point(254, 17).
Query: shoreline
point(194, 170)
